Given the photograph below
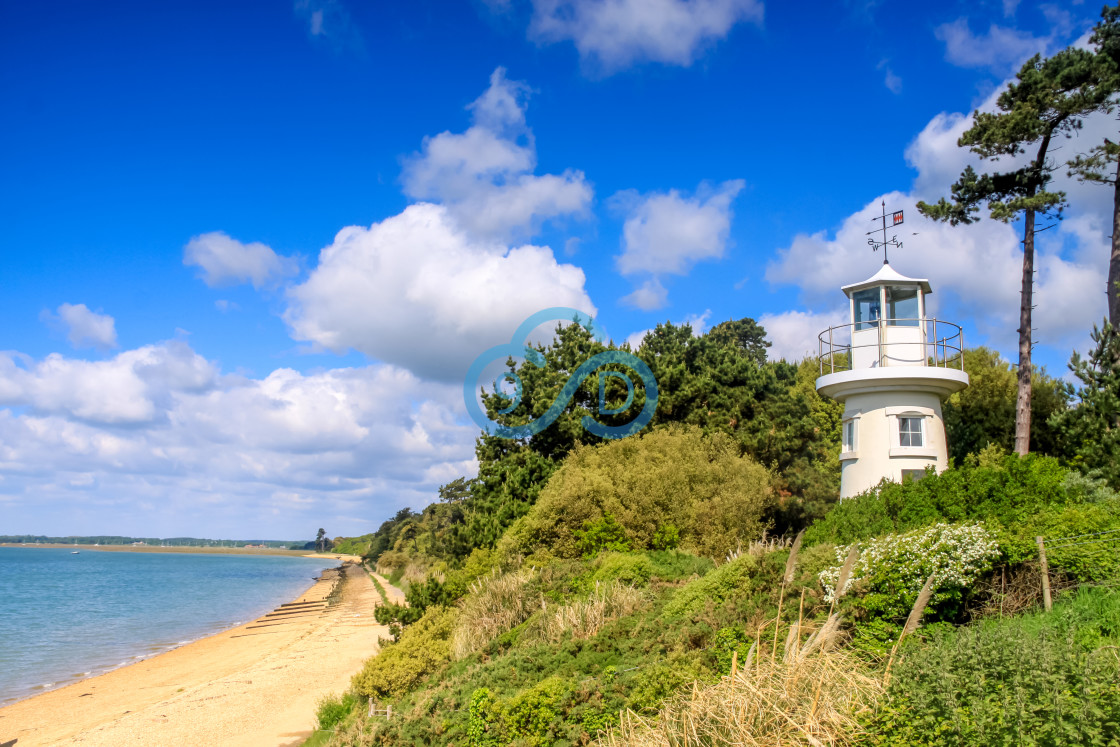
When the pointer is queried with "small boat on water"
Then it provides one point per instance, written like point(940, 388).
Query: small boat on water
point(74, 552)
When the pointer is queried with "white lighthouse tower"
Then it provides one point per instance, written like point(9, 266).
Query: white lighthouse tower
point(890, 366)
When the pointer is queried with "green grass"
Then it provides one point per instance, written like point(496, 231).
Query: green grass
point(318, 738)
point(380, 588)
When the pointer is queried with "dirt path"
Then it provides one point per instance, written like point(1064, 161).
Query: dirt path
point(253, 686)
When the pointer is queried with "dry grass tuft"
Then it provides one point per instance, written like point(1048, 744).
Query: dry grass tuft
point(496, 603)
point(759, 547)
point(585, 617)
point(808, 700)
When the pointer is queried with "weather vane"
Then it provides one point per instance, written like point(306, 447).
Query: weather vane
point(895, 218)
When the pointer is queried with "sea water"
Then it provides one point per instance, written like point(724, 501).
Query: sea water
point(64, 617)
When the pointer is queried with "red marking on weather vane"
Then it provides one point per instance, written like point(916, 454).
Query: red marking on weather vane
point(896, 219)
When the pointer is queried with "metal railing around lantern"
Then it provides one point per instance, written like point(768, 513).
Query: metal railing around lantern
point(941, 344)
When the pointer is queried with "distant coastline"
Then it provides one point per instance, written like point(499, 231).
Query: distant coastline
point(186, 549)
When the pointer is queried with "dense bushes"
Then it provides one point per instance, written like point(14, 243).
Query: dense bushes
point(890, 572)
point(401, 665)
point(1018, 498)
point(1046, 680)
point(731, 579)
point(634, 493)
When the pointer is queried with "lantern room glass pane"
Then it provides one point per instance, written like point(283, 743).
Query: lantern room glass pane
point(867, 308)
point(902, 306)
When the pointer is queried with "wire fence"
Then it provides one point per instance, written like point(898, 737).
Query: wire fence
point(1105, 539)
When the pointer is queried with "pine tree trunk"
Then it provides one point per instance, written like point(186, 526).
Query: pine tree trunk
point(1023, 402)
point(1113, 289)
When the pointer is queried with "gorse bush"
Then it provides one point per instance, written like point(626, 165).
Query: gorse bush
point(424, 647)
point(739, 577)
point(630, 569)
point(634, 493)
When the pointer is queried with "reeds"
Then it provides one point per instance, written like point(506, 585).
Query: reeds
point(814, 699)
point(787, 579)
point(496, 603)
point(845, 576)
point(584, 618)
point(912, 621)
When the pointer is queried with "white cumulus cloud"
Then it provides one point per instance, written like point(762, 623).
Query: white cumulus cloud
point(227, 261)
point(793, 334)
point(173, 446)
point(1001, 49)
point(418, 291)
point(484, 176)
point(667, 233)
point(84, 328)
point(613, 34)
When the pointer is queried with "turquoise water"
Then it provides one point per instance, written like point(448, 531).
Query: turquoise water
point(64, 617)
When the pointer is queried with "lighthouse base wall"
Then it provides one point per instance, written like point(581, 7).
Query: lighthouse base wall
point(883, 426)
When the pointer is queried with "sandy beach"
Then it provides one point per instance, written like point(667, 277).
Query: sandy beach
point(255, 685)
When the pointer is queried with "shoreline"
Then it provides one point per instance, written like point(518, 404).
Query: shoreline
point(240, 686)
point(187, 549)
point(149, 650)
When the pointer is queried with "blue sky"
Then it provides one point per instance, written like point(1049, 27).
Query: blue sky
point(251, 248)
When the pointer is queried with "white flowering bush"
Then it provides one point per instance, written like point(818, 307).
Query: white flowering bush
point(891, 570)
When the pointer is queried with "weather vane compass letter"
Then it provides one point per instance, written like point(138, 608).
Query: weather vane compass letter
point(895, 219)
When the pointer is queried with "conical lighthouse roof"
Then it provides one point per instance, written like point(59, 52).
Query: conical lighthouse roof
point(887, 276)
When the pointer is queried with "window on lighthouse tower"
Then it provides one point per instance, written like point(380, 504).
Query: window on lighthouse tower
point(909, 431)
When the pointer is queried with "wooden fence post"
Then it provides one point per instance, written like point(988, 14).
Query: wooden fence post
point(1045, 573)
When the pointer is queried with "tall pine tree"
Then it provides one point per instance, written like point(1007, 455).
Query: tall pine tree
point(1098, 164)
point(1049, 99)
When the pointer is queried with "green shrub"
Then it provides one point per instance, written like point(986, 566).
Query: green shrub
point(423, 647)
point(673, 565)
point(333, 709)
point(632, 570)
point(667, 537)
point(739, 577)
point(1009, 491)
point(891, 571)
point(483, 729)
point(626, 493)
point(654, 683)
point(1016, 497)
point(534, 714)
point(604, 533)
point(1046, 680)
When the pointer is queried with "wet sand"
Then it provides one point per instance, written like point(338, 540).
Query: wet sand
point(256, 685)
